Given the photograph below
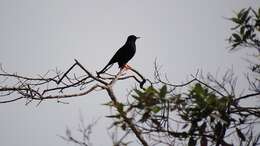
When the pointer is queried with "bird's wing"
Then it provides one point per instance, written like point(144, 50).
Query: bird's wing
point(113, 60)
point(117, 56)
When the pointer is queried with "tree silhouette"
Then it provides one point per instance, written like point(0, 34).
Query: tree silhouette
point(202, 111)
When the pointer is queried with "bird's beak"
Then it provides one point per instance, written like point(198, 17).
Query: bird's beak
point(138, 37)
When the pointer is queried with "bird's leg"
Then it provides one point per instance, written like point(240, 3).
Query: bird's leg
point(126, 66)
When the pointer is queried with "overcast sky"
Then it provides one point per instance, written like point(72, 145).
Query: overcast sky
point(38, 35)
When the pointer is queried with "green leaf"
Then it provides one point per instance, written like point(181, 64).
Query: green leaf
point(244, 15)
point(198, 89)
point(140, 106)
point(234, 28)
point(114, 116)
point(116, 123)
point(240, 13)
point(247, 19)
point(236, 20)
point(138, 92)
point(110, 103)
point(234, 45)
point(242, 30)
point(222, 103)
point(163, 91)
point(136, 97)
point(211, 100)
point(236, 37)
point(120, 107)
point(151, 90)
point(156, 109)
point(247, 34)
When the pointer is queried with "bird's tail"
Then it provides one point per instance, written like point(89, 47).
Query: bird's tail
point(105, 68)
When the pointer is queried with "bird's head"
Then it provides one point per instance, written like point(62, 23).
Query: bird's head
point(132, 38)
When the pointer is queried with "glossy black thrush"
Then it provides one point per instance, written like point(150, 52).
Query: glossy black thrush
point(123, 55)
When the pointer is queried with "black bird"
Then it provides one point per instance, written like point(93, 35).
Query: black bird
point(123, 55)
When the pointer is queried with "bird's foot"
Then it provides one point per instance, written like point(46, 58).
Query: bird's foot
point(126, 66)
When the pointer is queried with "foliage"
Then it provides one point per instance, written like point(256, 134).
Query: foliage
point(208, 112)
point(247, 27)
point(200, 115)
point(246, 33)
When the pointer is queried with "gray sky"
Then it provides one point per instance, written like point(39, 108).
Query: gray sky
point(36, 36)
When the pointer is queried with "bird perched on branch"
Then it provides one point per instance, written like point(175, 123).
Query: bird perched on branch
point(123, 55)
